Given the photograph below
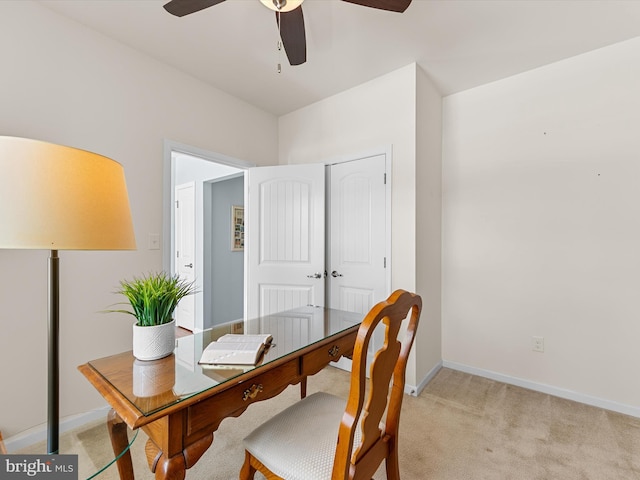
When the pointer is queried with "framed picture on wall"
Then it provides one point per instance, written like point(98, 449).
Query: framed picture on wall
point(237, 228)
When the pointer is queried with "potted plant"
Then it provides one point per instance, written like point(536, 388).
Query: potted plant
point(153, 299)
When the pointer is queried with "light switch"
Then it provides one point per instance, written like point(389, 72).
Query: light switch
point(154, 241)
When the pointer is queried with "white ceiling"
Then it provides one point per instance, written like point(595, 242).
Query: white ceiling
point(458, 43)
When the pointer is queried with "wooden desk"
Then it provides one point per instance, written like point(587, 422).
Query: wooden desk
point(180, 404)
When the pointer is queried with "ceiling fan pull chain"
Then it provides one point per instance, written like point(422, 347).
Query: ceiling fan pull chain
point(279, 42)
point(279, 55)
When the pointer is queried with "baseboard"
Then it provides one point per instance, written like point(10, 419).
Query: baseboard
point(39, 432)
point(548, 389)
point(414, 390)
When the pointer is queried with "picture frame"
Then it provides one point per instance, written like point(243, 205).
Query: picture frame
point(237, 228)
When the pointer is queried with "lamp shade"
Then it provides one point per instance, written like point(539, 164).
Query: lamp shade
point(61, 198)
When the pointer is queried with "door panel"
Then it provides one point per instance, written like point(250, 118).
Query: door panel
point(358, 221)
point(285, 208)
point(285, 238)
point(358, 234)
point(353, 299)
point(185, 231)
point(278, 298)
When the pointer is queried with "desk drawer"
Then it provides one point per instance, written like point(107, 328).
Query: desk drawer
point(315, 361)
point(211, 411)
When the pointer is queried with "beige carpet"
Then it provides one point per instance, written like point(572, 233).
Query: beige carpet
point(461, 427)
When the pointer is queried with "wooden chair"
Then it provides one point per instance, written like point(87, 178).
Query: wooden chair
point(318, 438)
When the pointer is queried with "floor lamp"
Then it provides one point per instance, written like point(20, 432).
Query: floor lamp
point(54, 197)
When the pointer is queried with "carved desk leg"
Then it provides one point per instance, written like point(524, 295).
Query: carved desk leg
point(119, 441)
point(174, 468)
point(169, 468)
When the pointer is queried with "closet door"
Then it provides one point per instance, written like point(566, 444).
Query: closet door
point(357, 262)
point(285, 238)
point(357, 258)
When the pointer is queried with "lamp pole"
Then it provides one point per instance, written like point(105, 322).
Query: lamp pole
point(54, 357)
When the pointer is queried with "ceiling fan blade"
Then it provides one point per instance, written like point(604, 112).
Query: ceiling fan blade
point(390, 5)
point(293, 36)
point(180, 8)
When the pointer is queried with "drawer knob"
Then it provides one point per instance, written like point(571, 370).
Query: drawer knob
point(333, 351)
point(252, 392)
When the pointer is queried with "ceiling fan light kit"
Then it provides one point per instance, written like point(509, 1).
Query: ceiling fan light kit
point(289, 18)
point(281, 5)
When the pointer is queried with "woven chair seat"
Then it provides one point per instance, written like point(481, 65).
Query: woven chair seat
point(300, 442)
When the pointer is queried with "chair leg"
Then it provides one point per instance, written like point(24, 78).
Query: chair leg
point(3, 449)
point(247, 471)
point(391, 462)
point(252, 465)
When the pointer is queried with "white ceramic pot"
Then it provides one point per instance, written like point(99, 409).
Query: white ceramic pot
point(152, 343)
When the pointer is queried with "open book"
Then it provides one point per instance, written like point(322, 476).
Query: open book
point(235, 349)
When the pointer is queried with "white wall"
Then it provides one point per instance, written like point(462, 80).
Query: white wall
point(64, 83)
point(375, 114)
point(428, 225)
point(541, 203)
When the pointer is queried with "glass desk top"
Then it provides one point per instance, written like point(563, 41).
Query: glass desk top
point(154, 385)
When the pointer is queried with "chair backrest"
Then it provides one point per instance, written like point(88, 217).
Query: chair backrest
point(388, 365)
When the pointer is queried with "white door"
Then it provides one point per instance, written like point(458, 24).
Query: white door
point(185, 233)
point(357, 256)
point(285, 239)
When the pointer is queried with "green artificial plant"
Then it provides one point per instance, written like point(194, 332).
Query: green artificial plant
point(154, 297)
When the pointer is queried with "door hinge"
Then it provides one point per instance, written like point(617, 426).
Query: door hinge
point(177, 253)
point(385, 179)
point(177, 204)
point(385, 262)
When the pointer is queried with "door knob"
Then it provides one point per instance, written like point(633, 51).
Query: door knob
point(190, 265)
point(315, 275)
point(335, 274)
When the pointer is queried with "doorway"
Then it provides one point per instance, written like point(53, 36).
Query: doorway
point(209, 173)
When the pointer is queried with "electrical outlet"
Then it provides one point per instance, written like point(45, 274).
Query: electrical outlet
point(538, 344)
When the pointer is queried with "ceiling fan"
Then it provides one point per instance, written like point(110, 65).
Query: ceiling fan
point(288, 17)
